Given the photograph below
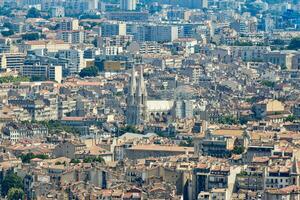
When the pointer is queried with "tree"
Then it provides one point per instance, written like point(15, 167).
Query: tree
point(7, 33)
point(5, 11)
point(186, 143)
point(15, 194)
point(89, 16)
point(290, 118)
point(75, 161)
point(12, 79)
point(56, 126)
point(31, 36)
point(267, 83)
point(130, 129)
point(278, 42)
point(35, 78)
point(228, 119)
point(294, 44)
point(8, 25)
point(238, 150)
point(93, 159)
point(95, 42)
point(27, 157)
point(89, 71)
point(119, 94)
point(11, 180)
point(33, 13)
point(240, 43)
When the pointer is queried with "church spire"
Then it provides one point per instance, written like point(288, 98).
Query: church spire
point(132, 82)
point(141, 89)
point(137, 98)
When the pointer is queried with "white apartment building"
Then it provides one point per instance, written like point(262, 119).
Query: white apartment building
point(110, 29)
point(158, 33)
point(57, 11)
point(111, 50)
point(73, 37)
point(12, 61)
point(69, 24)
point(250, 53)
point(50, 45)
point(128, 4)
point(284, 59)
point(53, 73)
point(77, 62)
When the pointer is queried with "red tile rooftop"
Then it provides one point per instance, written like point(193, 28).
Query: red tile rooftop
point(236, 157)
point(72, 118)
point(44, 42)
point(286, 190)
point(260, 159)
point(36, 160)
point(162, 148)
point(185, 40)
point(202, 166)
point(89, 83)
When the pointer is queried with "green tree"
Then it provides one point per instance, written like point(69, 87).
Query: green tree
point(27, 157)
point(5, 11)
point(11, 180)
point(278, 42)
point(33, 13)
point(240, 43)
point(119, 94)
point(56, 126)
point(12, 79)
point(75, 161)
point(37, 78)
point(93, 159)
point(294, 44)
point(8, 25)
point(228, 119)
point(31, 36)
point(89, 16)
point(290, 118)
point(89, 71)
point(15, 194)
point(130, 129)
point(238, 150)
point(7, 33)
point(95, 42)
point(187, 143)
point(267, 83)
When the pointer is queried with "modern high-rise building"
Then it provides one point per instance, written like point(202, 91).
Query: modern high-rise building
point(128, 4)
point(110, 29)
point(157, 33)
point(12, 61)
point(43, 72)
point(75, 58)
point(57, 11)
point(93, 4)
point(69, 24)
point(74, 37)
point(198, 4)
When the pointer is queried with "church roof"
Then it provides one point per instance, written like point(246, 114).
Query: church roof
point(136, 135)
point(159, 105)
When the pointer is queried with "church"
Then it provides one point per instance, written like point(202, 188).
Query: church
point(140, 110)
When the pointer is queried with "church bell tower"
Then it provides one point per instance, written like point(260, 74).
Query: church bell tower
point(136, 99)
